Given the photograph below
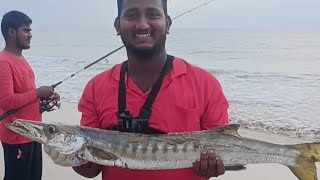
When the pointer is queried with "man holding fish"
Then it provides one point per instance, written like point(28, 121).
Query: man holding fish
point(157, 93)
point(150, 128)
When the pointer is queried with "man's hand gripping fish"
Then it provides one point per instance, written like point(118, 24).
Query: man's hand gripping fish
point(169, 151)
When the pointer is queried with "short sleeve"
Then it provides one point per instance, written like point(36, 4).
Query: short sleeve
point(87, 107)
point(216, 108)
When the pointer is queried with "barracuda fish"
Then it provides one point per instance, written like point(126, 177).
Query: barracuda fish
point(169, 151)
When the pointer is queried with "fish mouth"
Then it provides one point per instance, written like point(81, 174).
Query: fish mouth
point(30, 129)
point(63, 139)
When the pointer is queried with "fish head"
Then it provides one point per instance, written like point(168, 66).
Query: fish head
point(64, 138)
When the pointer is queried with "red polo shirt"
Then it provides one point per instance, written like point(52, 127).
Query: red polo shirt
point(17, 89)
point(190, 99)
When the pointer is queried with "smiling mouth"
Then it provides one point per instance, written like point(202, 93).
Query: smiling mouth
point(143, 35)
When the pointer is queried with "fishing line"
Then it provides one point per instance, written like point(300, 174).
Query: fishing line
point(47, 106)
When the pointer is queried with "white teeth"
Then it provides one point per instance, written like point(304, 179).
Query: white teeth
point(143, 35)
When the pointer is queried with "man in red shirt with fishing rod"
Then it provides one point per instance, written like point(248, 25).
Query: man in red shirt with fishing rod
point(19, 98)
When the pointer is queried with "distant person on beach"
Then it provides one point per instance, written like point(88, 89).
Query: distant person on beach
point(159, 93)
point(22, 156)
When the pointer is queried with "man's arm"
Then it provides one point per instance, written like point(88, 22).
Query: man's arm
point(89, 118)
point(8, 99)
point(87, 107)
point(216, 108)
point(215, 114)
point(89, 170)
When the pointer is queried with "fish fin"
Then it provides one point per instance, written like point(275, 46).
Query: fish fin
point(305, 167)
point(235, 168)
point(102, 154)
point(304, 170)
point(230, 129)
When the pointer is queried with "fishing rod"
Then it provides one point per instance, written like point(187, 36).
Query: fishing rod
point(189, 11)
point(47, 106)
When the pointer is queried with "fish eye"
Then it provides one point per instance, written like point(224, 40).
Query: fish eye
point(51, 129)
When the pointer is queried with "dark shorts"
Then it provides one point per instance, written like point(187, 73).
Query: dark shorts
point(22, 161)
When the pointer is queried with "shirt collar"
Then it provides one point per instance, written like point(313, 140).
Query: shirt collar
point(179, 68)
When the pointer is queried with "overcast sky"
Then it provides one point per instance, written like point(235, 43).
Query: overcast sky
point(55, 14)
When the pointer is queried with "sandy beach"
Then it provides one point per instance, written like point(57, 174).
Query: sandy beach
point(68, 114)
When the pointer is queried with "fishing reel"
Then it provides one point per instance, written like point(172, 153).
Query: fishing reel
point(48, 105)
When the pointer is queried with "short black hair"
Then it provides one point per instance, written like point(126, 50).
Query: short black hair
point(164, 4)
point(14, 19)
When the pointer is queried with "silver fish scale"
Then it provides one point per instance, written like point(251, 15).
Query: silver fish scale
point(181, 150)
point(250, 151)
point(147, 158)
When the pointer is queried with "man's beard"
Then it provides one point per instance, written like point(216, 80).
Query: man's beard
point(22, 46)
point(146, 53)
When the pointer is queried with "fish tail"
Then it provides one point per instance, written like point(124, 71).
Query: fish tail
point(305, 168)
